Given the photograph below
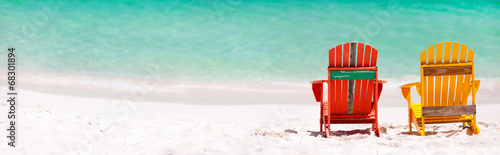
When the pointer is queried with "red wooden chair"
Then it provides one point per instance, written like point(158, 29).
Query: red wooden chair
point(352, 83)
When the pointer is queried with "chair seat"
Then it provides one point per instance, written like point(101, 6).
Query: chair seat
point(417, 110)
point(371, 114)
point(353, 119)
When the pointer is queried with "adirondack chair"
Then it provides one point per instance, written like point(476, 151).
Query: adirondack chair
point(447, 80)
point(353, 87)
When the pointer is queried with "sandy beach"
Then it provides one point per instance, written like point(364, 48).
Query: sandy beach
point(233, 77)
point(59, 124)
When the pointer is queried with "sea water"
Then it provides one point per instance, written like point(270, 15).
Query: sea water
point(236, 41)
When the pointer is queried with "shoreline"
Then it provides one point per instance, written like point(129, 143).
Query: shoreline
point(155, 89)
point(92, 125)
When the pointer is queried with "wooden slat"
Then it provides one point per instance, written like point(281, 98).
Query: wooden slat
point(465, 89)
point(350, 91)
point(454, 54)
point(357, 95)
point(368, 52)
point(439, 53)
point(468, 80)
point(423, 57)
point(446, 78)
point(338, 56)
point(345, 83)
point(424, 91)
point(438, 87)
point(415, 122)
point(437, 93)
point(470, 56)
point(423, 60)
point(373, 62)
point(358, 83)
point(431, 118)
point(332, 96)
point(338, 84)
point(369, 96)
point(366, 100)
point(430, 55)
point(343, 98)
point(361, 49)
point(445, 121)
point(331, 59)
point(449, 110)
point(458, 94)
point(447, 70)
point(463, 53)
point(447, 52)
point(430, 79)
point(352, 74)
point(460, 78)
point(345, 55)
point(453, 78)
point(363, 98)
point(444, 91)
point(451, 90)
point(331, 84)
point(430, 90)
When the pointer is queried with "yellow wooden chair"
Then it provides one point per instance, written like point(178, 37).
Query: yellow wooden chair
point(447, 80)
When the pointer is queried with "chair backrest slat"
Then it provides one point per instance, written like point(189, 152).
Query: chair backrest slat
point(360, 92)
point(460, 77)
point(438, 78)
point(453, 78)
point(344, 83)
point(352, 63)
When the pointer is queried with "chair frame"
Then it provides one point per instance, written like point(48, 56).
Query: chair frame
point(326, 116)
point(445, 114)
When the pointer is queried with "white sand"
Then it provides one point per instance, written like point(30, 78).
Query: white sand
point(56, 124)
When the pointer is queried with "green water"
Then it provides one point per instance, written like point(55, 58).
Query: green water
point(240, 41)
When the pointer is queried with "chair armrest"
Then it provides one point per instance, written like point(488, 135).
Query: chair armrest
point(319, 81)
point(380, 86)
point(317, 87)
point(476, 88)
point(405, 90)
point(409, 85)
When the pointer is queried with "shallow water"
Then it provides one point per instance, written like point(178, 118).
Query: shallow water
point(238, 41)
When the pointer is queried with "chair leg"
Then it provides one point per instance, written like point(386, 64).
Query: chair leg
point(409, 120)
point(376, 129)
point(327, 127)
point(320, 125)
point(321, 117)
point(422, 131)
point(464, 125)
point(476, 131)
point(473, 125)
point(327, 131)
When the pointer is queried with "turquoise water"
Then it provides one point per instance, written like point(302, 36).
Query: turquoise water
point(239, 41)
